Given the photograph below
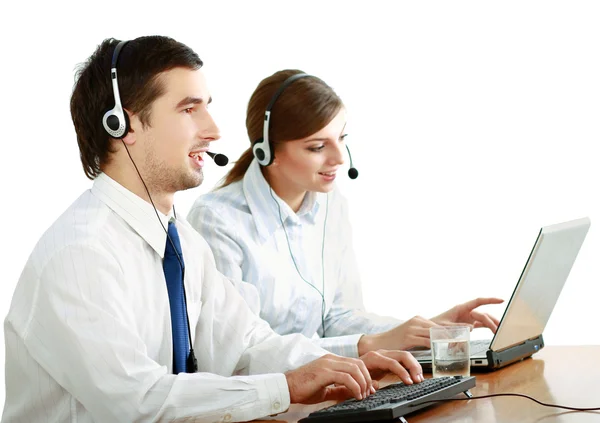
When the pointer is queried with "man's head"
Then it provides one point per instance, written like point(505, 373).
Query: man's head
point(164, 93)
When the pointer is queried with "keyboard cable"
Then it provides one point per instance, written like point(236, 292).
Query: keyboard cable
point(508, 395)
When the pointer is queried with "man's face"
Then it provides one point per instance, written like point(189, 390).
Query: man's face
point(179, 132)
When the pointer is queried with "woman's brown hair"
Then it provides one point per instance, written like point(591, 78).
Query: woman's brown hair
point(305, 107)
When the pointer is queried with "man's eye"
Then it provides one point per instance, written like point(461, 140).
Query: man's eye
point(189, 110)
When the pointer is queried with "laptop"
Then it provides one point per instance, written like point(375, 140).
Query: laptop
point(519, 334)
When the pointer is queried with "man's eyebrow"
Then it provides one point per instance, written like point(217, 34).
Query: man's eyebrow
point(192, 100)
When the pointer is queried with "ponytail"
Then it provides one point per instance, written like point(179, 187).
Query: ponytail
point(239, 169)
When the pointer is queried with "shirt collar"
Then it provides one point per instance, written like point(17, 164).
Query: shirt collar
point(137, 212)
point(266, 206)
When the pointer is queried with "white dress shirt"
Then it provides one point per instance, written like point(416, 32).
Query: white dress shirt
point(88, 333)
point(243, 226)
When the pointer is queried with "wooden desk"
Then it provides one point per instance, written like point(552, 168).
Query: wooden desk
point(560, 375)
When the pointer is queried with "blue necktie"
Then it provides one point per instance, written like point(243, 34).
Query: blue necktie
point(174, 277)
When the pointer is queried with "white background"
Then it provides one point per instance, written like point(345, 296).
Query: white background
point(472, 123)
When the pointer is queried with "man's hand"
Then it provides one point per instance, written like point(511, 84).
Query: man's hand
point(400, 363)
point(312, 382)
point(415, 332)
point(332, 377)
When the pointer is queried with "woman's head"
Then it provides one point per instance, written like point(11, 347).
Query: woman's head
point(306, 127)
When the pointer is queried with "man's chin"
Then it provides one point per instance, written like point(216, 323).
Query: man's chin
point(192, 181)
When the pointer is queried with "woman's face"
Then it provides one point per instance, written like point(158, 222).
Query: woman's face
point(311, 163)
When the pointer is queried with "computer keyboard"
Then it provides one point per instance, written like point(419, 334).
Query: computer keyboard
point(479, 346)
point(393, 401)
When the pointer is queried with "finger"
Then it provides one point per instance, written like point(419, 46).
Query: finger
point(365, 372)
point(494, 319)
point(409, 362)
point(477, 302)
point(353, 368)
point(420, 332)
point(343, 379)
point(337, 393)
point(485, 320)
point(409, 371)
point(422, 322)
point(420, 341)
point(381, 362)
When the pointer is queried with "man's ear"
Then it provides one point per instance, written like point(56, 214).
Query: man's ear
point(134, 125)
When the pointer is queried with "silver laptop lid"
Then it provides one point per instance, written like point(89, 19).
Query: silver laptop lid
point(541, 282)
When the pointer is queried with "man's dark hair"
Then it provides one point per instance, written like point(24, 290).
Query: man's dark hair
point(140, 63)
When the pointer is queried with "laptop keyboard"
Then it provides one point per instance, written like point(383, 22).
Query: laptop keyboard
point(479, 346)
point(392, 401)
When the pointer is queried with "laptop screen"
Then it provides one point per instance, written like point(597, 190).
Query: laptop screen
point(541, 282)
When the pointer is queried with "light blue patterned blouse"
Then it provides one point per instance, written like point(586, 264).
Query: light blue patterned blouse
point(242, 223)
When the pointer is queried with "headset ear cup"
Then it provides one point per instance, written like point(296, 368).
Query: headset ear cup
point(116, 123)
point(127, 124)
point(258, 152)
point(262, 152)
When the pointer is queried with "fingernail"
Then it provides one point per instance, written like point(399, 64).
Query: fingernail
point(410, 380)
point(360, 396)
point(373, 390)
point(421, 377)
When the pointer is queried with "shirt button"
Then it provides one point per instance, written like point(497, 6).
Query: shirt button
point(276, 405)
point(227, 417)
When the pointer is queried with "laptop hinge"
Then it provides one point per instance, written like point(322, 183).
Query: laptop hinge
point(515, 353)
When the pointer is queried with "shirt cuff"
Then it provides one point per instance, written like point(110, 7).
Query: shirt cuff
point(273, 393)
point(346, 345)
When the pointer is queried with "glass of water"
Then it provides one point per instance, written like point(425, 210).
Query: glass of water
point(450, 350)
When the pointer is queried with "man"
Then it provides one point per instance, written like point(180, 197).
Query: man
point(120, 296)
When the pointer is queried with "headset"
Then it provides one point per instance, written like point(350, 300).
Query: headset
point(263, 147)
point(116, 121)
point(116, 124)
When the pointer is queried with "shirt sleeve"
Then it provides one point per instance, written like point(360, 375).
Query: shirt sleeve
point(345, 345)
point(347, 314)
point(228, 254)
point(84, 335)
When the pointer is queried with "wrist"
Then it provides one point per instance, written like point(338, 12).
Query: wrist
point(289, 380)
point(366, 343)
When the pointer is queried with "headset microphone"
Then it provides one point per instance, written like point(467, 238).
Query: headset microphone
point(220, 159)
point(263, 147)
point(352, 172)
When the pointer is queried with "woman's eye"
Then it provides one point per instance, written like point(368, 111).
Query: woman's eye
point(316, 149)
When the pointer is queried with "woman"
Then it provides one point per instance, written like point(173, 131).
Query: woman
point(279, 228)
